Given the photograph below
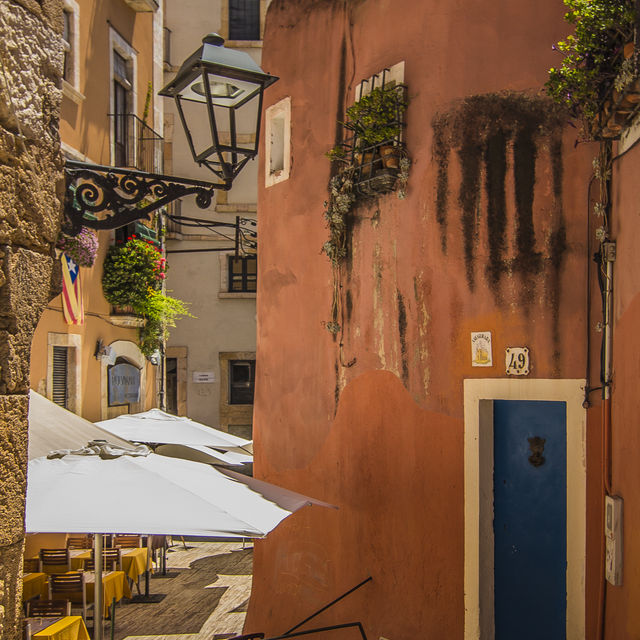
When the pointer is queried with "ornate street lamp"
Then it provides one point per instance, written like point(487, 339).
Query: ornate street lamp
point(224, 87)
point(220, 86)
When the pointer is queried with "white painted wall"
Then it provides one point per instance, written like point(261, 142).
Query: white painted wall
point(224, 324)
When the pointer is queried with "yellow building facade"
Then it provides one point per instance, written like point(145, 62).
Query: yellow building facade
point(110, 115)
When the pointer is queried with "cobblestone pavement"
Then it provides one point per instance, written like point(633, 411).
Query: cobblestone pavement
point(206, 589)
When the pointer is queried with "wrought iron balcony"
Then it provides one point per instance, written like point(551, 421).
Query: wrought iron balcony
point(135, 144)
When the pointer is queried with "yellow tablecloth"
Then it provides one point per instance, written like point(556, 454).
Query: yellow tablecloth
point(34, 585)
point(114, 585)
point(69, 628)
point(135, 561)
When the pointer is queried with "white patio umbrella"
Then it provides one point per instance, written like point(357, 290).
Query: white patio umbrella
point(208, 455)
point(53, 427)
point(148, 493)
point(158, 427)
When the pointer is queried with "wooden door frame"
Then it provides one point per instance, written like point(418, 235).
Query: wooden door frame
point(479, 395)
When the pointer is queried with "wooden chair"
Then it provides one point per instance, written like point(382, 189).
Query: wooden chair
point(111, 560)
point(71, 587)
point(54, 561)
point(80, 542)
point(48, 608)
point(127, 541)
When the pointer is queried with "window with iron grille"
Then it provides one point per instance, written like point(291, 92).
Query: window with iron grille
point(243, 274)
point(121, 107)
point(242, 378)
point(60, 391)
point(244, 19)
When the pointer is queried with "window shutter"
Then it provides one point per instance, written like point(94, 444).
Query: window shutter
point(60, 375)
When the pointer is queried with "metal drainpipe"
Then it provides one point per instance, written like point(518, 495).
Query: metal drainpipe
point(97, 591)
point(162, 368)
point(609, 249)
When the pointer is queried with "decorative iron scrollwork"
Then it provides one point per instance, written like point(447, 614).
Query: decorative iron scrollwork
point(123, 195)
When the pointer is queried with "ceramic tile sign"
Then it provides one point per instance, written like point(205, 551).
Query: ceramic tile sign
point(481, 349)
point(517, 361)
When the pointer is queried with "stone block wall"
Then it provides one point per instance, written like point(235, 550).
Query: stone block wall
point(31, 189)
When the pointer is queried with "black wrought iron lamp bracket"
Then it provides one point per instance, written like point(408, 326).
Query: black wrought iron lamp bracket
point(124, 195)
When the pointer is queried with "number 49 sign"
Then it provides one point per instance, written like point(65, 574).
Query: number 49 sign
point(517, 361)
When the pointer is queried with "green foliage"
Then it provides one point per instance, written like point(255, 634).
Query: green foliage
point(161, 312)
point(130, 270)
point(376, 117)
point(132, 276)
point(592, 54)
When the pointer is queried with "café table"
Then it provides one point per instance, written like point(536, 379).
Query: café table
point(135, 561)
point(66, 628)
point(34, 585)
point(114, 585)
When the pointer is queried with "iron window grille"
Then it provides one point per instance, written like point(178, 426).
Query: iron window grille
point(243, 273)
point(242, 378)
point(244, 19)
point(136, 145)
point(376, 164)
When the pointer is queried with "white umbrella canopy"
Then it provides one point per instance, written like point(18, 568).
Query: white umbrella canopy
point(156, 426)
point(53, 427)
point(204, 454)
point(151, 494)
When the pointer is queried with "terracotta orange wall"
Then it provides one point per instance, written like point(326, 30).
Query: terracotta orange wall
point(373, 421)
point(622, 613)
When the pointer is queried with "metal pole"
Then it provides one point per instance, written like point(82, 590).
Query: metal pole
point(97, 591)
point(163, 352)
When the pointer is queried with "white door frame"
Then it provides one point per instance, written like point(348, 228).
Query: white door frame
point(478, 496)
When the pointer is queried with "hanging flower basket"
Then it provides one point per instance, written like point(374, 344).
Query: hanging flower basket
point(82, 248)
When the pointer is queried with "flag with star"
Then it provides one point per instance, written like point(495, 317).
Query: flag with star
point(71, 291)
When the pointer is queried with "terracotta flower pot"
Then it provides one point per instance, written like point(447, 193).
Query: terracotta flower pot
point(628, 49)
point(390, 157)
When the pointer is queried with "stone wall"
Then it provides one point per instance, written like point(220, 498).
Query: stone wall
point(31, 187)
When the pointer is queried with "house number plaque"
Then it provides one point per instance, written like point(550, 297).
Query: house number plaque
point(517, 361)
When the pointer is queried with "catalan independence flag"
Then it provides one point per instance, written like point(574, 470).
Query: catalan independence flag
point(71, 291)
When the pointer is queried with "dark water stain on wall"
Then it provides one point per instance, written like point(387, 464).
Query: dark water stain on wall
point(402, 330)
point(495, 160)
point(483, 130)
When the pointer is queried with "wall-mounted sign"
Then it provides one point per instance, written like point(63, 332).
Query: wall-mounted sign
point(124, 384)
point(481, 349)
point(204, 376)
point(517, 361)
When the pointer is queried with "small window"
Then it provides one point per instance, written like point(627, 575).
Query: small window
point(242, 377)
point(167, 46)
point(278, 142)
point(244, 19)
point(60, 390)
point(243, 273)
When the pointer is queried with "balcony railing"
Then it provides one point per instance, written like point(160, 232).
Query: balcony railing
point(135, 144)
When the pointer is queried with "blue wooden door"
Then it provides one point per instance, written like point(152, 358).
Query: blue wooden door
point(530, 520)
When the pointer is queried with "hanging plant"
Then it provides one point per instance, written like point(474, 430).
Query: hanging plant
point(593, 56)
point(81, 248)
point(130, 270)
point(133, 275)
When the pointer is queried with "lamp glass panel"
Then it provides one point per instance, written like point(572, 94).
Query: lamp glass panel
point(226, 92)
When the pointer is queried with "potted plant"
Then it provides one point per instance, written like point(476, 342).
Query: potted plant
point(376, 123)
point(593, 58)
point(81, 248)
point(132, 280)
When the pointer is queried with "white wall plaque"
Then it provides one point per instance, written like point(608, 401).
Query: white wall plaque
point(204, 376)
point(517, 361)
point(481, 349)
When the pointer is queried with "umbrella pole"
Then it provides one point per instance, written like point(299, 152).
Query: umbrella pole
point(97, 591)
